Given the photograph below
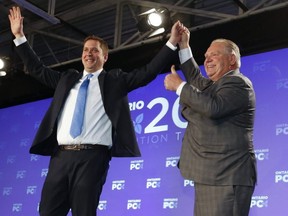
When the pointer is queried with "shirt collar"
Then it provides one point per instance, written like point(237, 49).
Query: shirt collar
point(95, 74)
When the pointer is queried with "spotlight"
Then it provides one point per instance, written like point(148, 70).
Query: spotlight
point(5, 66)
point(2, 68)
point(2, 73)
point(157, 20)
point(154, 20)
point(2, 64)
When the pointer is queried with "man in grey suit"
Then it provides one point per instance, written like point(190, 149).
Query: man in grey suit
point(79, 165)
point(217, 150)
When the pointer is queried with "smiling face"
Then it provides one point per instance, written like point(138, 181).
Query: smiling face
point(93, 56)
point(218, 61)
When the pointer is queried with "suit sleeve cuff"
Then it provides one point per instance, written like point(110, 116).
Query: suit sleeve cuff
point(180, 87)
point(19, 41)
point(171, 46)
point(185, 54)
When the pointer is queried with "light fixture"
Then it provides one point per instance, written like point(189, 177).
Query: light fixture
point(2, 73)
point(5, 65)
point(2, 68)
point(2, 63)
point(155, 20)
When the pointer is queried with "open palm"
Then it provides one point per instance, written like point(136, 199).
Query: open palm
point(16, 22)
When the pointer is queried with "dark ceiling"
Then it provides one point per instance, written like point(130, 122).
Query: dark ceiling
point(56, 29)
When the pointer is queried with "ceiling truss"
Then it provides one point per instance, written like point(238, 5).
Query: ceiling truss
point(136, 39)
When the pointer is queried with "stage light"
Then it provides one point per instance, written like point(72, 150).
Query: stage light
point(2, 63)
point(2, 73)
point(2, 68)
point(156, 20)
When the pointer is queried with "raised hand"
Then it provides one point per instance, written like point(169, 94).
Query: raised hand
point(176, 33)
point(16, 22)
point(172, 80)
point(185, 37)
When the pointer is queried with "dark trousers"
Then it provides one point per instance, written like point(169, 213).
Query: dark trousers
point(74, 181)
point(222, 200)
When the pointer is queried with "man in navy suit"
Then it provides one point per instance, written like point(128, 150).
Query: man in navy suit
point(78, 166)
point(217, 150)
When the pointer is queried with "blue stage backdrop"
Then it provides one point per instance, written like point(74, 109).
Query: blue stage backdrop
point(152, 184)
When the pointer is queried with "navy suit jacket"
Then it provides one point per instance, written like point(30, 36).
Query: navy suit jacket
point(217, 147)
point(114, 86)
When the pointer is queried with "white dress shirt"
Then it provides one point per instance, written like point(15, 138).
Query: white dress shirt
point(97, 127)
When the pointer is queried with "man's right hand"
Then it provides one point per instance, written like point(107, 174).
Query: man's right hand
point(185, 37)
point(16, 22)
point(176, 33)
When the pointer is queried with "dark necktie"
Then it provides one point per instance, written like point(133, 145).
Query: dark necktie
point(78, 116)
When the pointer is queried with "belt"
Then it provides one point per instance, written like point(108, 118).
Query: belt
point(78, 147)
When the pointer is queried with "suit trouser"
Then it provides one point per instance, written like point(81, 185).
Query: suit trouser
point(222, 200)
point(74, 181)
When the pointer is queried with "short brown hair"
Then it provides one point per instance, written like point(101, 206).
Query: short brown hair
point(103, 43)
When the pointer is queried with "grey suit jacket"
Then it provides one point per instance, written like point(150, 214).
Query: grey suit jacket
point(217, 146)
point(114, 86)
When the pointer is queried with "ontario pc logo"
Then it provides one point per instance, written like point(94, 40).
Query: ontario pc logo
point(170, 203)
point(171, 161)
point(134, 204)
point(262, 154)
point(118, 185)
point(102, 205)
point(136, 164)
point(281, 176)
point(31, 189)
point(153, 183)
point(282, 129)
point(188, 183)
point(7, 191)
point(17, 207)
point(259, 202)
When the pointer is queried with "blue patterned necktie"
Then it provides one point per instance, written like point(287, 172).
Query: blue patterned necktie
point(78, 116)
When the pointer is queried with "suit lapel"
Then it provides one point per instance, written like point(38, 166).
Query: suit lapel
point(101, 80)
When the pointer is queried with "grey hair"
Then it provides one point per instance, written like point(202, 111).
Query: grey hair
point(231, 48)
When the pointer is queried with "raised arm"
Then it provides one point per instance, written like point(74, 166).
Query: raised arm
point(176, 33)
point(184, 40)
point(16, 22)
